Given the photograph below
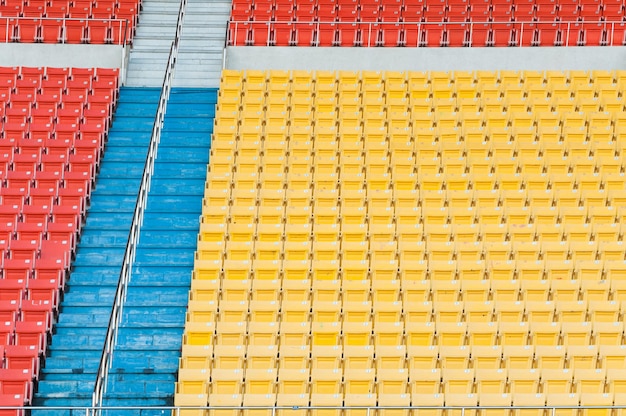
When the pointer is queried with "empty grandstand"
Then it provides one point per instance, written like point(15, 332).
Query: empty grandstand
point(312, 207)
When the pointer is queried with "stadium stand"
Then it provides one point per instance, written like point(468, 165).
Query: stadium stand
point(49, 163)
point(451, 23)
point(71, 22)
point(303, 263)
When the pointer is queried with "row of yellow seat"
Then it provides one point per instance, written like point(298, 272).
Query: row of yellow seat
point(527, 404)
point(477, 357)
point(211, 283)
point(432, 77)
point(431, 224)
point(378, 251)
point(389, 381)
point(391, 316)
point(468, 103)
point(440, 333)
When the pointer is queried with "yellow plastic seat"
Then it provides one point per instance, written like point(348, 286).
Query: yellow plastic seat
point(524, 381)
point(482, 333)
point(262, 357)
point(293, 381)
point(603, 311)
point(576, 333)
point(425, 381)
point(529, 404)
point(608, 333)
point(291, 358)
point(419, 333)
point(486, 357)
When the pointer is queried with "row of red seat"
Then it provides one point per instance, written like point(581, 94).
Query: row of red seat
point(438, 10)
point(47, 73)
point(102, 21)
point(428, 34)
point(72, 31)
point(65, 10)
point(54, 124)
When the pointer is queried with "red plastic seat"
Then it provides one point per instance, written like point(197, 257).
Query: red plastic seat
point(261, 33)
point(48, 182)
point(568, 10)
point(9, 310)
point(434, 34)
point(23, 358)
point(617, 34)
point(24, 250)
point(283, 34)
point(502, 34)
point(349, 34)
point(63, 233)
point(12, 202)
point(327, 34)
point(45, 291)
point(528, 34)
point(241, 11)
point(456, 35)
point(121, 32)
point(524, 11)
point(51, 30)
point(305, 33)
point(549, 34)
point(31, 333)
point(57, 10)
point(69, 215)
point(391, 34)
point(262, 12)
point(35, 214)
point(8, 403)
point(98, 31)
point(347, 12)
point(55, 253)
point(19, 180)
point(545, 12)
point(16, 382)
point(28, 30)
point(43, 115)
point(283, 12)
point(238, 33)
point(371, 34)
point(11, 289)
point(74, 31)
point(412, 35)
point(14, 131)
point(51, 268)
point(30, 231)
point(8, 27)
point(103, 11)
point(7, 328)
point(572, 34)
point(413, 13)
point(369, 13)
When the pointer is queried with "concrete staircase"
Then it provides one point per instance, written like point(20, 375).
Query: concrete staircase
point(202, 42)
point(69, 373)
point(152, 42)
point(201, 50)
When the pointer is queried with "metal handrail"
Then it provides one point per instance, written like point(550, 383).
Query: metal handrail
point(565, 26)
point(140, 205)
point(120, 25)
